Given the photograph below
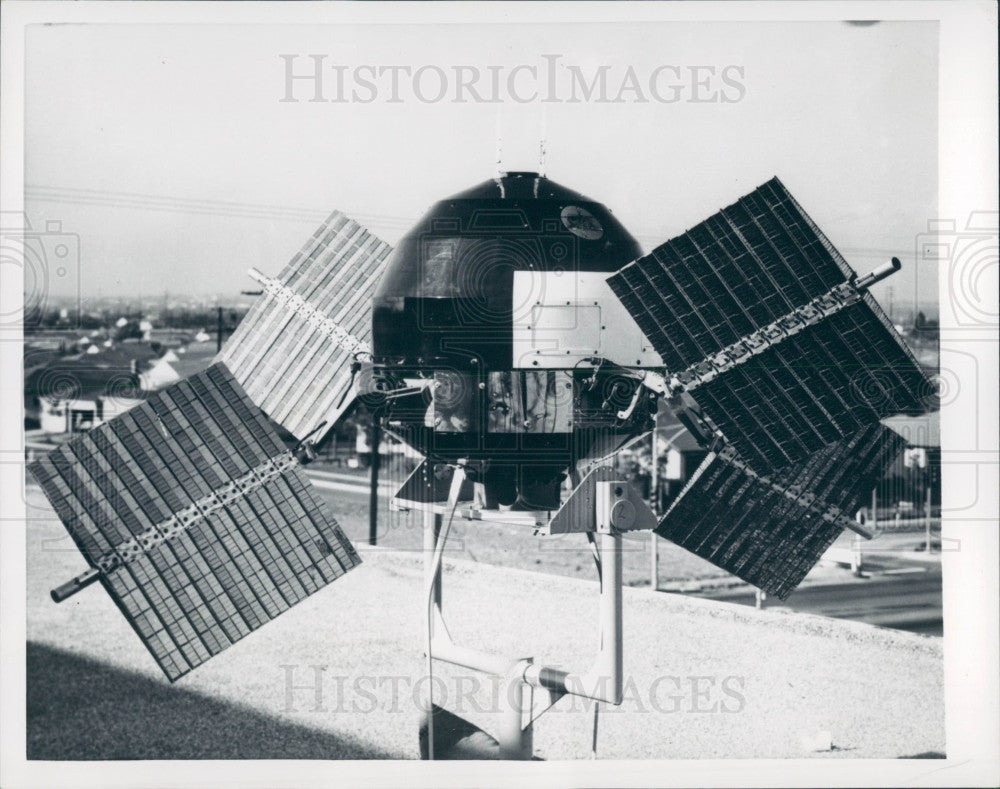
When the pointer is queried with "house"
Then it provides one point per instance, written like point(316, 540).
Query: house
point(133, 355)
point(75, 395)
point(177, 364)
point(919, 431)
point(170, 338)
point(918, 469)
point(66, 394)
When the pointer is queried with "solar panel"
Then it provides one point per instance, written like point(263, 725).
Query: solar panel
point(763, 324)
point(202, 525)
point(814, 387)
point(293, 350)
point(771, 530)
point(738, 271)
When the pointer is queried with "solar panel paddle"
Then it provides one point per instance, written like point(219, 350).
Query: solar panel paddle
point(771, 530)
point(293, 352)
point(197, 521)
point(766, 327)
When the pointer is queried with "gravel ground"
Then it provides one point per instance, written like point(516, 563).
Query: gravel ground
point(704, 679)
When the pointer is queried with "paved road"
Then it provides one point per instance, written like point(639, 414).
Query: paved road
point(906, 599)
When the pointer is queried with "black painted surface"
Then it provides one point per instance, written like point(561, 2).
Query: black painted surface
point(446, 292)
point(445, 303)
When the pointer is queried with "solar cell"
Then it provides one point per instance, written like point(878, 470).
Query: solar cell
point(293, 350)
point(770, 530)
point(203, 526)
point(739, 270)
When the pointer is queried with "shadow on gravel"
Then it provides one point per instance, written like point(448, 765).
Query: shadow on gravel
point(78, 708)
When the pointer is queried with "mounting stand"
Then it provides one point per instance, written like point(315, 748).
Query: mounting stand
point(600, 504)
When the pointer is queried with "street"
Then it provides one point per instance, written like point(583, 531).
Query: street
point(906, 598)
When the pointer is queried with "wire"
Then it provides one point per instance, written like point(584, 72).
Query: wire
point(230, 208)
point(593, 742)
point(442, 538)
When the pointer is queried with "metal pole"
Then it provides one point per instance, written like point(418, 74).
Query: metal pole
point(654, 562)
point(654, 558)
point(654, 473)
point(611, 613)
point(856, 558)
point(218, 338)
point(927, 514)
point(376, 451)
point(514, 738)
point(432, 528)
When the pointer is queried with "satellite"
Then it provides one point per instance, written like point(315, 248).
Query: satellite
point(517, 337)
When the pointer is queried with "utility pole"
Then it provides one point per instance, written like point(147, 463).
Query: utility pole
point(376, 451)
point(654, 484)
point(218, 336)
point(927, 510)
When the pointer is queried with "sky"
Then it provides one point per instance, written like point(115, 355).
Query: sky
point(167, 150)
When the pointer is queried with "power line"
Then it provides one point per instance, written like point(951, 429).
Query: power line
point(228, 208)
point(245, 210)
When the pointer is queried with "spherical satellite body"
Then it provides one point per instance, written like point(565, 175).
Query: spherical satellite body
point(495, 312)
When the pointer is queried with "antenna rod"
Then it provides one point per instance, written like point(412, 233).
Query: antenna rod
point(885, 270)
point(499, 151)
point(542, 144)
point(70, 588)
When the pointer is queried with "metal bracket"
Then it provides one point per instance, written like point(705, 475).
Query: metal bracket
point(602, 486)
point(809, 314)
point(424, 489)
point(323, 324)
